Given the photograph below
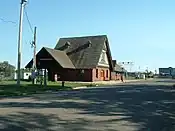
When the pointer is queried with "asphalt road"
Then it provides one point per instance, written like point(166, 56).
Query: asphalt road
point(138, 106)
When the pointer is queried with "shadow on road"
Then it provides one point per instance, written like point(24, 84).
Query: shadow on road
point(166, 80)
point(37, 121)
point(141, 107)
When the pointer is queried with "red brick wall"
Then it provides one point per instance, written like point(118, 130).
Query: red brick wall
point(74, 75)
point(99, 77)
point(79, 75)
point(88, 74)
point(118, 76)
point(113, 76)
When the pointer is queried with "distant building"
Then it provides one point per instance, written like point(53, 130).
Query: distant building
point(167, 71)
point(118, 70)
point(25, 75)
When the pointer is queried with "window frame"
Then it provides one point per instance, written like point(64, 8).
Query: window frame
point(96, 73)
point(107, 73)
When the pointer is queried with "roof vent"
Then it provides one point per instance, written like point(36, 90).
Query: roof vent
point(67, 44)
point(89, 43)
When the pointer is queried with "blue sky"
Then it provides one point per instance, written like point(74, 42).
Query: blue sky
point(141, 31)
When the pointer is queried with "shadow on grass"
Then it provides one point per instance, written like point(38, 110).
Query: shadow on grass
point(28, 89)
point(142, 107)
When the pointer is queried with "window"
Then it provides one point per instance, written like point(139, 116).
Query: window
point(97, 73)
point(106, 73)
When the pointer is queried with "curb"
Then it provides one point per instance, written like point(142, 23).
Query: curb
point(106, 84)
point(81, 87)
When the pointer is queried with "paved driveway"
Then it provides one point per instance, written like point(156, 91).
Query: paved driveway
point(139, 106)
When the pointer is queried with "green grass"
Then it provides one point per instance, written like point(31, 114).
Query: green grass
point(71, 84)
point(9, 88)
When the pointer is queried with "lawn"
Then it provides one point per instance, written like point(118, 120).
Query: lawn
point(9, 88)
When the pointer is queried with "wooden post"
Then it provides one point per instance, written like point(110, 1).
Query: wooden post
point(45, 78)
point(41, 77)
point(63, 83)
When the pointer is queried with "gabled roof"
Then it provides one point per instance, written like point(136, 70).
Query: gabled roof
point(84, 52)
point(59, 56)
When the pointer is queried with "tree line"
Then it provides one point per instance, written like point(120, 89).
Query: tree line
point(6, 70)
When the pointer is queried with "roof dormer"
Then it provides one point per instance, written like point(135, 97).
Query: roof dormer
point(89, 43)
point(67, 44)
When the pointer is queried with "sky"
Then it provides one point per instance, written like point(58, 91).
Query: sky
point(139, 31)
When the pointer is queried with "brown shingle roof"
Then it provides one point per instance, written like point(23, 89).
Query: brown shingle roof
point(79, 52)
point(60, 57)
point(84, 52)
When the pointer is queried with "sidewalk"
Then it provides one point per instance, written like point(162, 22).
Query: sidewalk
point(99, 83)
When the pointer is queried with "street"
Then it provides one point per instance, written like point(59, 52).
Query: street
point(134, 106)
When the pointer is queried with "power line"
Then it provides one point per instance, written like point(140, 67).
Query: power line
point(8, 21)
point(28, 20)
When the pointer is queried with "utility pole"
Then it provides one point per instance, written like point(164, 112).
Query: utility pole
point(20, 41)
point(34, 56)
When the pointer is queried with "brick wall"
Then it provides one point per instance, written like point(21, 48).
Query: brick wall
point(118, 76)
point(113, 75)
point(101, 74)
point(86, 75)
point(73, 75)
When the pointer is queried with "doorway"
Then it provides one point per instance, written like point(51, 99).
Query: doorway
point(102, 75)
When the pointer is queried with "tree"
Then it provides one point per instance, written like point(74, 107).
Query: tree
point(6, 70)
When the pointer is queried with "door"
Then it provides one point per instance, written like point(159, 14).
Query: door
point(102, 75)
